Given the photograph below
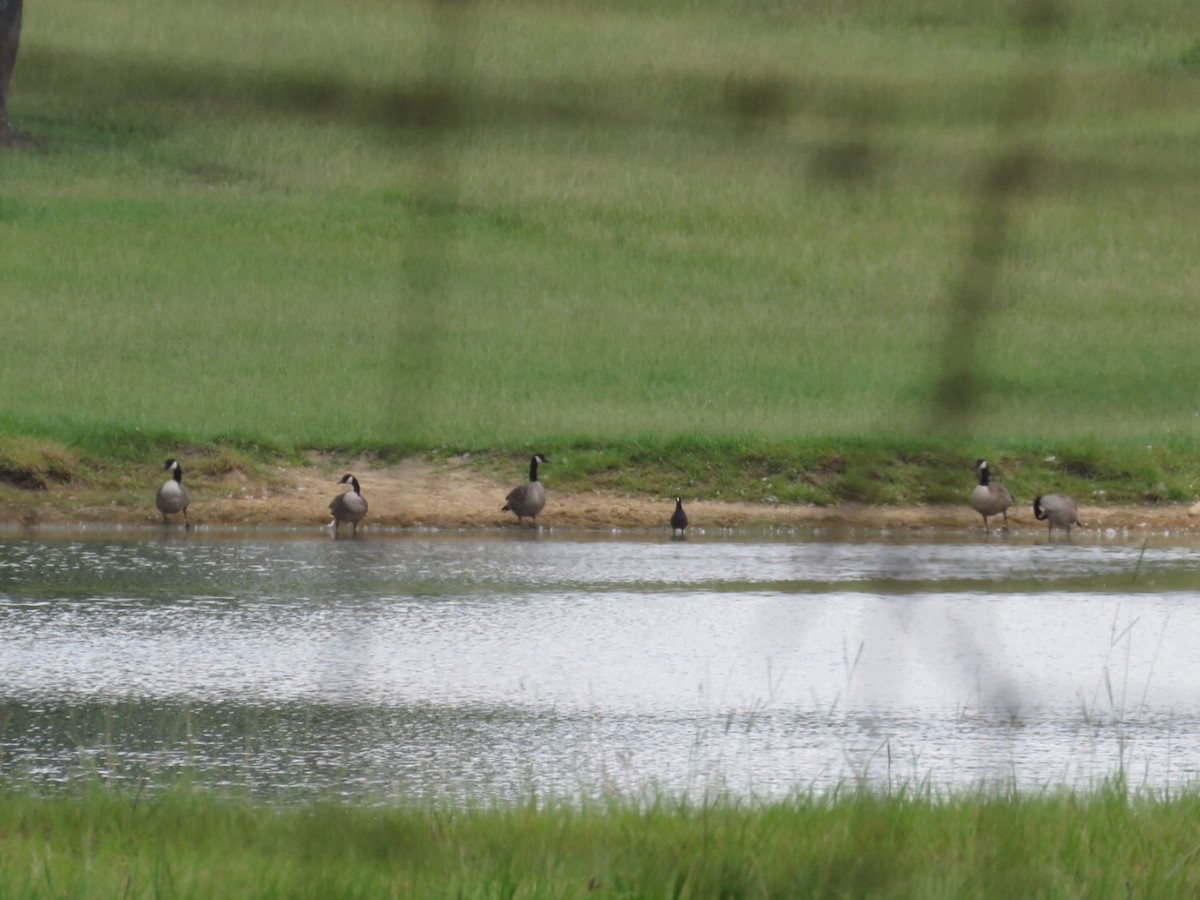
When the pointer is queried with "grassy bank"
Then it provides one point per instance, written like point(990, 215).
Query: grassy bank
point(295, 225)
point(37, 476)
point(184, 844)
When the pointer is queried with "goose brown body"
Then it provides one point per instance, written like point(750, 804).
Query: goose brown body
point(529, 499)
point(1057, 511)
point(990, 498)
point(173, 497)
point(349, 506)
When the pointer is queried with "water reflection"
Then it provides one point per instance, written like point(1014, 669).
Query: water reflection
point(489, 667)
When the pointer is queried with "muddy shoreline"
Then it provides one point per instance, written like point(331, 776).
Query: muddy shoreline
point(418, 494)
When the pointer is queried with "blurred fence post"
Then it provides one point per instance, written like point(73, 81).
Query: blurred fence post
point(425, 123)
point(10, 39)
point(1005, 176)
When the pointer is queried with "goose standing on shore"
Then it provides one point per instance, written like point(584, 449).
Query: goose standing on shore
point(530, 498)
point(990, 498)
point(173, 497)
point(679, 519)
point(350, 506)
point(1056, 510)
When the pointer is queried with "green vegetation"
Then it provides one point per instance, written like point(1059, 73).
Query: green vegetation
point(710, 246)
point(822, 472)
point(892, 471)
point(856, 844)
point(727, 236)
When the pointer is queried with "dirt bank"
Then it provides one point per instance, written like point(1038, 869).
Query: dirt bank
point(418, 493)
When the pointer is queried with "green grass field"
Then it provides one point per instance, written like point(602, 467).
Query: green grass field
point(184, 844)
point(373, 225)
point(732, 242)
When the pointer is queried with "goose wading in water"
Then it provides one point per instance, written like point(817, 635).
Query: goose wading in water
point(1057, 511)
point(679, 519)
point(349, 506)
point(990, 498)
point(530, 498)
point(173, 497)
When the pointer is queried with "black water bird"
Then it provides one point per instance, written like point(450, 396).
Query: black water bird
point(679, 518)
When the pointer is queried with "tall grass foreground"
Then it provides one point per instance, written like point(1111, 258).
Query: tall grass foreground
point(911, 844)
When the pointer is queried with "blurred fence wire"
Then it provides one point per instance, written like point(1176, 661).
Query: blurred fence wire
point(437, 112)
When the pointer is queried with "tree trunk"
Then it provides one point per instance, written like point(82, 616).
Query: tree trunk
point(10, 37)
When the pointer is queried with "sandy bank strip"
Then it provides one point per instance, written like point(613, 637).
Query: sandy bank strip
point(416, 493)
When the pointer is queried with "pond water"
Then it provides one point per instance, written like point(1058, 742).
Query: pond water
point(489, 667)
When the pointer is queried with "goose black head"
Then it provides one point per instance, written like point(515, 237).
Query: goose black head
point(533, 465)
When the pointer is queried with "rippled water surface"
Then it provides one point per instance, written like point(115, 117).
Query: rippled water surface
point(496, 666)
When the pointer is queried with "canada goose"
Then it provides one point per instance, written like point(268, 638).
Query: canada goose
point(1056, 510)
point(679, 520)
point(173, 497)
point(528, 499)
point(349, 506)
point(989, 499)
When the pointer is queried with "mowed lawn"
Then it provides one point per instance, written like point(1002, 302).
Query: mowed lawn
point(390, 224)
